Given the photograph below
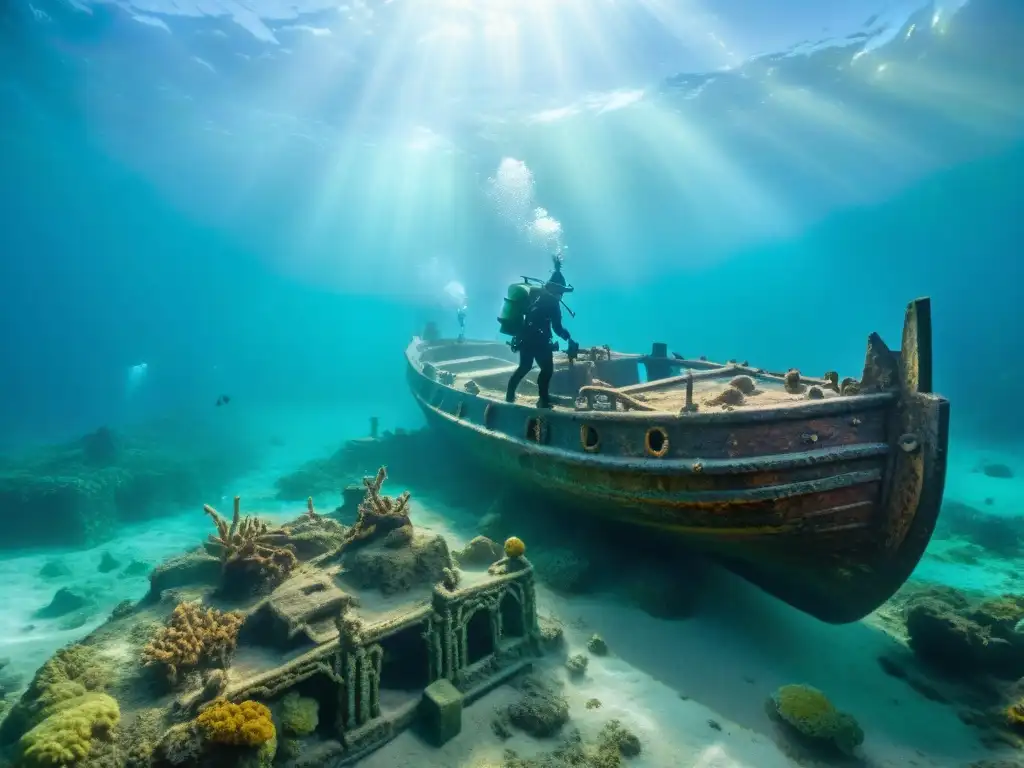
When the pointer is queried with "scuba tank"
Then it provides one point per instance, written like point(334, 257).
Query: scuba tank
point(513, 311)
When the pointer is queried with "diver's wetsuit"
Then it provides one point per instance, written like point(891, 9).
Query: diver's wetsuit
point(543, 316)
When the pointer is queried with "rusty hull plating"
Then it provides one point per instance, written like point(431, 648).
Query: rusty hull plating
point(825, 500)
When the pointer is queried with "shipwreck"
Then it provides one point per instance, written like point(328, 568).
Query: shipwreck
point(822, 491)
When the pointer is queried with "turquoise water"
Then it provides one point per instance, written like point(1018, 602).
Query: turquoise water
point(266, 201)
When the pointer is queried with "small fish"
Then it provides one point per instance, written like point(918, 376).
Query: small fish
point(223, 400)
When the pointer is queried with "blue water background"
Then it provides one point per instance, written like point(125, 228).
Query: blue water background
point(161, 209)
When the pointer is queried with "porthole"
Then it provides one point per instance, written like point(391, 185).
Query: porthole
point(460, 409)
point(489, 416)
point(656, 442)
point(589, 439)
point(536, 430)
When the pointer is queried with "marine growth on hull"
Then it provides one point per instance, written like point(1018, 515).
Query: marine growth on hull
point(312, 643)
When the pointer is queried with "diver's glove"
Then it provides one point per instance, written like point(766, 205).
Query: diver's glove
point(572, 350)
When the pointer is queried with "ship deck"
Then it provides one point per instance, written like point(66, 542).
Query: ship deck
point(710, 381)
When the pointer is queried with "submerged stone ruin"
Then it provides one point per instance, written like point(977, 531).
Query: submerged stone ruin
point(309, 644)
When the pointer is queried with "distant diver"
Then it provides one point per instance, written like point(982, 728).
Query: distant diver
point(223, 400)
point(462, 323)
point(541, 314)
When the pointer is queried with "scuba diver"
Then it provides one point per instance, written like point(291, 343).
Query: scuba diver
point(462, 323)
point(543, 315)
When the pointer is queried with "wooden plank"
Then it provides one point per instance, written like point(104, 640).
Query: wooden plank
point(916, 352)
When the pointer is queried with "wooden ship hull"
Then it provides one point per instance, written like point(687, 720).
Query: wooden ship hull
point(825, 499)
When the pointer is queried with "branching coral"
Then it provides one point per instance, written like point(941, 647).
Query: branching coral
point(252, 555)
point(380, 515)
point(193, 638)
point(247, 724)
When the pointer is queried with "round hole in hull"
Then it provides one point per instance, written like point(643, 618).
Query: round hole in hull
point(656, 442)
point(589, 439)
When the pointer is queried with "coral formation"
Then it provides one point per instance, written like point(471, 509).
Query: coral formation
point(247, 724)
point(744, 384)
point(613, 743)
point(815, 393)
point(597, 646)
point(811, 715)
point(66, 734)
point(791, 382)
point(383, 550)
point(253, 557)
point(514, 547)
point(378, 565)
point(616, 737)
point(552, 636)
point(1002, 535)
point(849, 386)
point(831, 379)
point(192, 639)
point(540, 711)
point(79, 493)
point(70, 673)
point(577, 665)
point(378, 515)
point(480, 552)
point(1015, 716)
point(300, 715)
point(964, 639)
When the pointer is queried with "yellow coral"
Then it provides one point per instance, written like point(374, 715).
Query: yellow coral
point(245, 724)
point(1015, 715)
point(66, 735)
point(810, 712)
point(71, 672)
point(803, 704)
point(1008, 609)
point(73, 663)
point(193, 638)
point(514, 547)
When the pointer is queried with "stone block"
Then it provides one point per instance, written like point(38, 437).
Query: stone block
point(441, 711)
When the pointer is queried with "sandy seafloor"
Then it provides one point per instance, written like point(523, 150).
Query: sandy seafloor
point(666, 680)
